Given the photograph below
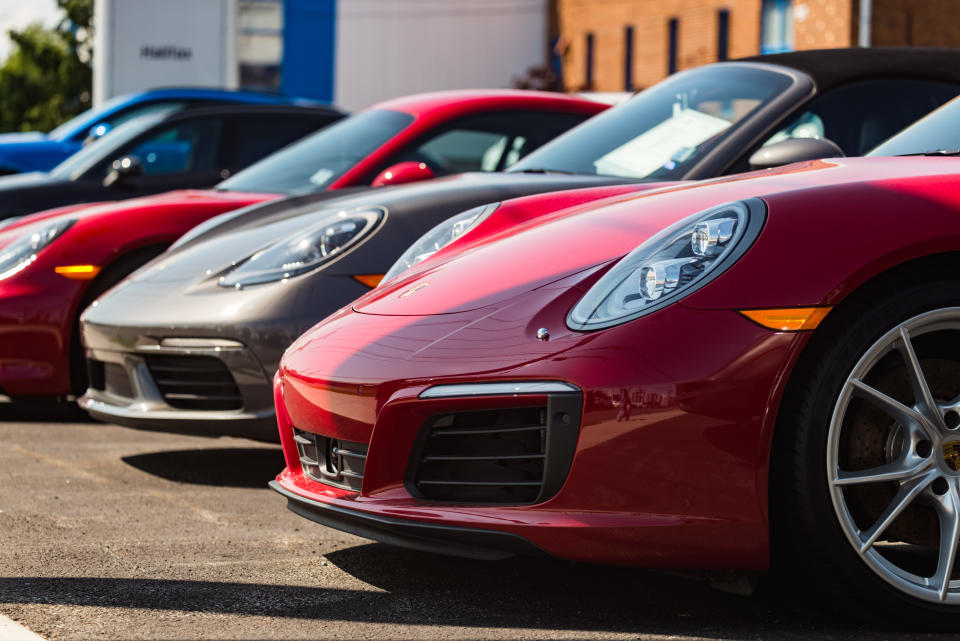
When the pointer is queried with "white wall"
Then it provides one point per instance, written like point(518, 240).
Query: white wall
point(141, 44)
point(388, 48)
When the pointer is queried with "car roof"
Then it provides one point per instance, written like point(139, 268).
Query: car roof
point(217, 93)
point(831, 67)
point(472, 99)
point(244, 109)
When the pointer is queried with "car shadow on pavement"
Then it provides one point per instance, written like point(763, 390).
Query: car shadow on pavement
point(222, 467)
point(424, 589)
point(42, 411)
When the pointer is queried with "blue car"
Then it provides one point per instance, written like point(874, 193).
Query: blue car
point(36, 151)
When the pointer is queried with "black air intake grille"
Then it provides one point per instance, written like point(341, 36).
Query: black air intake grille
point(195, 382)
point(109, 377)
point(510, 455)
point(331, 461)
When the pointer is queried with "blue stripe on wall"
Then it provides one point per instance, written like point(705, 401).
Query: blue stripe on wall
point(309, 29)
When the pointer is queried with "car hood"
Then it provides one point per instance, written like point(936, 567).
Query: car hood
point(544, 250)
point(22, 137)
point(237, 236)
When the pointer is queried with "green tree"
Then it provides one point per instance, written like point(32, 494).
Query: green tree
point(47, 78)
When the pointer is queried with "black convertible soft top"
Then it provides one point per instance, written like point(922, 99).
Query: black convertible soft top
point(831, 67)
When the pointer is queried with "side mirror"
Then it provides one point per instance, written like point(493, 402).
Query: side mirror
point(403, 172)
point(122, 170)
point(99, 130)
point(794, 150)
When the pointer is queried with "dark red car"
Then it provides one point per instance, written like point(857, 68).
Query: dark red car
point(758, 367)
point(53, 264)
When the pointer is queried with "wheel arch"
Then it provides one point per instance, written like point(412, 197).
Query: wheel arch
point(845, 308)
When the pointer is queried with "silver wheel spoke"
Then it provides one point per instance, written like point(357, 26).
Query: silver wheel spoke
point(921, 391)
point(903, 498)
point(948, 510)
point(899, 470)
point(905, 416)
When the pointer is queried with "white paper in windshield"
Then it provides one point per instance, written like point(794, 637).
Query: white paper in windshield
point(321, 177)
point(651, 150)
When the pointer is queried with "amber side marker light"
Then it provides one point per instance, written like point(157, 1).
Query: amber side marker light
point(78, 272)
point(370, 280)
point(790, 319)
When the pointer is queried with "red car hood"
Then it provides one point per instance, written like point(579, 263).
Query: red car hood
point(547, 249)
point(185, 197)
point(227, 200)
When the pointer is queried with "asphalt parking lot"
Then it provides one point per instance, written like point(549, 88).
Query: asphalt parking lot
point(110, 533)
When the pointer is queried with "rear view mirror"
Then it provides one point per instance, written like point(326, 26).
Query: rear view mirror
point(403, 172)
point(794, 150)
point(122, 170)
point(99, 130)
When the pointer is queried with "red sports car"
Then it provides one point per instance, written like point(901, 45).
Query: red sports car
point(697, 377)
point(53, 264)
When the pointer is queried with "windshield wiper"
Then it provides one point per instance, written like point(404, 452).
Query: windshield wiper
point(936, 152)
point(543, 170)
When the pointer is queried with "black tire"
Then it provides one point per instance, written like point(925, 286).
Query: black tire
point(809, 540)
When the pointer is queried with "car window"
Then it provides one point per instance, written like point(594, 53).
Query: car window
point(860, 115)
point(663, 131)
point(163, 107)
point(933, 132)
point(90, 118)
point(488, 142)
point(251, 137)
point(193, 145)
point(318, 160)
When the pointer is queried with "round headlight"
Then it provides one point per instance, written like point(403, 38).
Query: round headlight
point(673, 264)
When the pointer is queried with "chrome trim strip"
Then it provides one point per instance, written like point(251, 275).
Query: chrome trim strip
point(498, 389)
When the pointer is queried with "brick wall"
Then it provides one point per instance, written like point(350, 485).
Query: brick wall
point(825, 24)
point(607, 20)
point(917, 23)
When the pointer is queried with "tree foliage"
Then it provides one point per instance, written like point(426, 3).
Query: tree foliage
point(47, 78)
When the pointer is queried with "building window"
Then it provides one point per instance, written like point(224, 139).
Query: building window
point(723, 34)
point(589, 62)
point(673, 27)
point(776, 26)
point(628, 59)
point(260, 43)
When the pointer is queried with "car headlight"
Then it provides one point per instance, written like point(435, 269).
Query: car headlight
point(439, 237)
point(305, 251)
point(673, 264)
point(20, 253)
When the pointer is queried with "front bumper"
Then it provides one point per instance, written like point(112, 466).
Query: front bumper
point(670, 463)
point(464, 542)
point(243, 333)
point(127, 389)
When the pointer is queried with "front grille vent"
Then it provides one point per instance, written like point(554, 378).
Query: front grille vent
point(195, 382)
point(331, 461)
point(505, 456)
point(109, 377)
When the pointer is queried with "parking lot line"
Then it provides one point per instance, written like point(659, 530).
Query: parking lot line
point(10, 630)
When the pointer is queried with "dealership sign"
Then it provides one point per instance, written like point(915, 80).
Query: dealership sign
point(143, 44)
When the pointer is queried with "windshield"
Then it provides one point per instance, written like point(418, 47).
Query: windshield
point(87, 119)
point(938, 130)
point(82, 161)
point(315, 162)
point(664, 130)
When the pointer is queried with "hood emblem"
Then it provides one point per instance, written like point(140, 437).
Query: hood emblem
point(413, 290)
point(951, 453)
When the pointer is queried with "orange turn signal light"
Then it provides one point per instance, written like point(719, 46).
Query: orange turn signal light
point(78, 272)
point(790, 319)
point(370, 280)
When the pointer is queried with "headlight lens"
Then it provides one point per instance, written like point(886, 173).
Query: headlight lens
point(439, 237)
point(673, 264)
point(305, 251)
point(20, 253)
